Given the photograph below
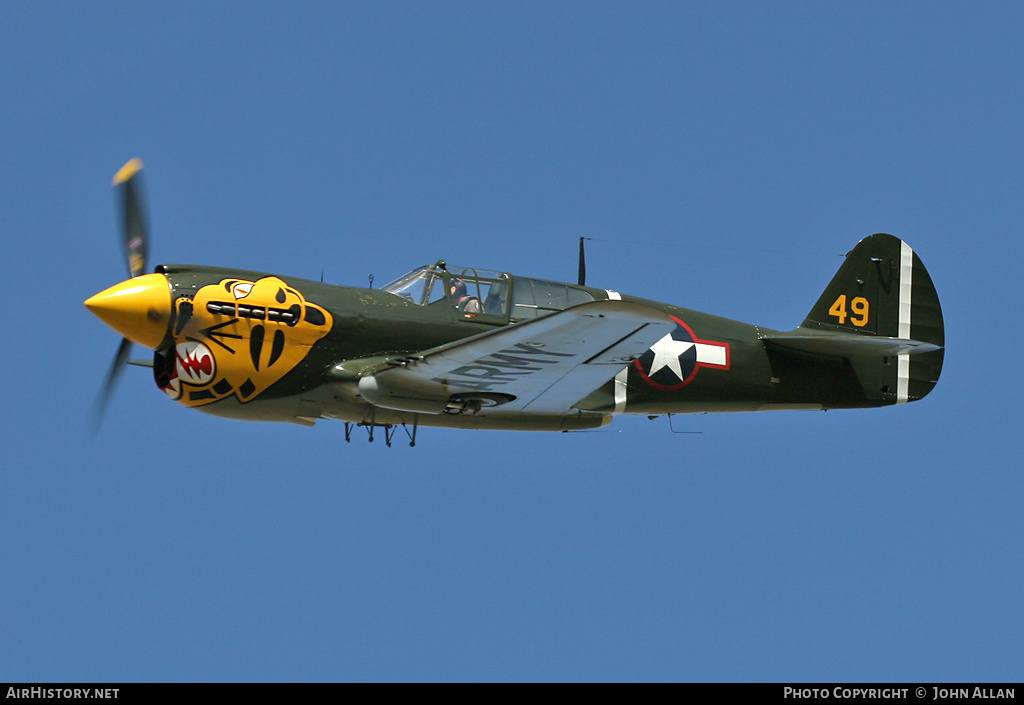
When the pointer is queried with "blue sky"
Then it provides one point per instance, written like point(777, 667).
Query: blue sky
point(720, 155)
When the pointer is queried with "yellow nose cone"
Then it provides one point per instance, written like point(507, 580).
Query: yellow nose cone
point(139, 309)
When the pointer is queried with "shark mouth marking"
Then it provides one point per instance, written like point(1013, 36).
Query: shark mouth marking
point(194, 363)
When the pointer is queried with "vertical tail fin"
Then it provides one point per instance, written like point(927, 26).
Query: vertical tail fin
point(883, 289)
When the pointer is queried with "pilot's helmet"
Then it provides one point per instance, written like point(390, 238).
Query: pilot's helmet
point(460, 288)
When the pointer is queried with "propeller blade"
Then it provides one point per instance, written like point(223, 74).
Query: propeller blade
point(128, 182)
point(120, 359)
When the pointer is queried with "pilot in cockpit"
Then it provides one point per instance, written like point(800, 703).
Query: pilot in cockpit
point(461, 298)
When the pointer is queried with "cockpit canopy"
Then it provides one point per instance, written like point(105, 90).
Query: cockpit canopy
point(486, 293)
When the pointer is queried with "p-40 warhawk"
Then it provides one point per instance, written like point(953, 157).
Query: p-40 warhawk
point(473, 348)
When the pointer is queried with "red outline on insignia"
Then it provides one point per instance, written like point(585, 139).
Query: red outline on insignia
point(696, 366)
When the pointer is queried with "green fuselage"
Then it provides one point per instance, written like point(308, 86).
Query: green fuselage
point(372, 326)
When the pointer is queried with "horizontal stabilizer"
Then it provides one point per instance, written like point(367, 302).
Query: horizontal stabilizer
point(850, 345)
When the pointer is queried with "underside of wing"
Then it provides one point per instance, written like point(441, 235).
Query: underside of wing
point(542, 366)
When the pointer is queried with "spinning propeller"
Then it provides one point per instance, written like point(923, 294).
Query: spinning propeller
point(129, 186)
point(139, 307)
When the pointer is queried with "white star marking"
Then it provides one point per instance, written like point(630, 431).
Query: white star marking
point(666, 354)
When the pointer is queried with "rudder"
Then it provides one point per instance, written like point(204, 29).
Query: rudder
point(883, 289)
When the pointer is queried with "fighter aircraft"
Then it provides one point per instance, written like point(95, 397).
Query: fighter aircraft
point(471, 348)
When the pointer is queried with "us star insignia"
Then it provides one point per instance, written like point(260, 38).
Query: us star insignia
point(673, 362)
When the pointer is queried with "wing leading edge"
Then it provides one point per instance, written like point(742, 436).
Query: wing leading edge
point(542, 366)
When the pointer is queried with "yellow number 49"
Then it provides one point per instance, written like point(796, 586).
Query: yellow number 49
point(858, 307)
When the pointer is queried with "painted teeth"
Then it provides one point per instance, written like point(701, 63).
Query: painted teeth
point(194, 362)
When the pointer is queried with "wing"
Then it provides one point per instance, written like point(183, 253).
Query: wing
point(542, 366)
